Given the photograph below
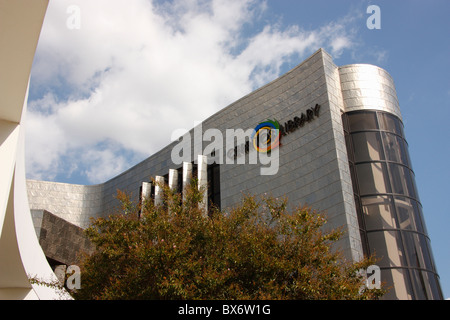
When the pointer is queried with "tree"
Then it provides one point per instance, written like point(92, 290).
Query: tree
point(256, 250)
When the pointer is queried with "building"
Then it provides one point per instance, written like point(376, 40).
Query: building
point(338, 146)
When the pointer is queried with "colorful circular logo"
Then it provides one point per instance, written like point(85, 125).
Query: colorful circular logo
point(266, 136)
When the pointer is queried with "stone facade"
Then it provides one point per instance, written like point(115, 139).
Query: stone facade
point(61, 241)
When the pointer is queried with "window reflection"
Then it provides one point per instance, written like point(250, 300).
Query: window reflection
point(408, 214)
point(420, 217)
point(372, 178)
point(426, 285)
point(390, 123)
point(360, 121)
point(434, 287)
point(367, 146)
point(387, 246)
point(417, 250)
point(402, 289)
point(396, 149)
point(378, 213)
point(419, 284)
point(401, 180)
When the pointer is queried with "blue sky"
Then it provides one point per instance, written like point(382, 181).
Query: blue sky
point(107, 74)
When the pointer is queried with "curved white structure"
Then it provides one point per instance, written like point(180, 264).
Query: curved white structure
point(20, 253)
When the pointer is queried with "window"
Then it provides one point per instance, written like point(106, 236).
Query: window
point(379, 213)
point(401, 180)
point(396, 148)
point(368, 146)
point(402, 289)
point(214, 185)
point(387, 246)
point(372, 178)
point(391, 123)
point(360, 121)
point(408, 214)
point(416, 249)
point(389, 211)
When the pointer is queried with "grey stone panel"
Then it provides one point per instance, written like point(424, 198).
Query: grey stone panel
point(60, 240)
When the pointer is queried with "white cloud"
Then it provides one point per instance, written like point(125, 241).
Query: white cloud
point(104, 163)
point(135, 71)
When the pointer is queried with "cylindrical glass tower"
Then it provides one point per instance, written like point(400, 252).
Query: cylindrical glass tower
point(388, 205)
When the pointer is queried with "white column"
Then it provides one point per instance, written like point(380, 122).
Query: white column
point(202, 172)
point(187, 175)
point(173, 182)
point(173, 179)
point(159, 180)
point(146, 191)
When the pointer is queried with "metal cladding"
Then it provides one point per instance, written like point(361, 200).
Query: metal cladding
point(368, 87)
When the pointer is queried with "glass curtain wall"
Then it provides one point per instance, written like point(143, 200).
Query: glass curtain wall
point(389, 210)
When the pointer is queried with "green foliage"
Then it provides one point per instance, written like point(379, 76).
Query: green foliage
point(258, 250)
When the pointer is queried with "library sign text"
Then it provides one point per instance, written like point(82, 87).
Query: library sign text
point(267, 135)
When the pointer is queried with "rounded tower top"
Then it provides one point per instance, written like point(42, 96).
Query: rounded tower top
point(368, 87)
